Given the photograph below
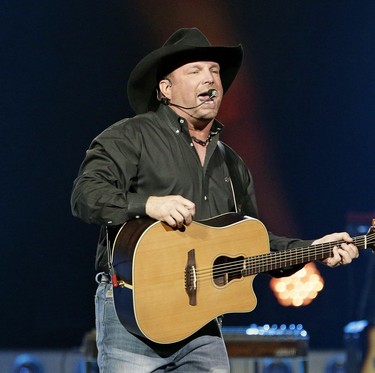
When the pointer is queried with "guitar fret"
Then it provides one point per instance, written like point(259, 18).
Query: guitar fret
point(282, 259)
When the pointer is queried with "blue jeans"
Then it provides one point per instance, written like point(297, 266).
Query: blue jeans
point(120, 351)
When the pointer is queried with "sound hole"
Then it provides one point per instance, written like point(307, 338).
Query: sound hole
point(227, 269)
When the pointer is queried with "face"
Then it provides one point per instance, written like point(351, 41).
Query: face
point(188, 85)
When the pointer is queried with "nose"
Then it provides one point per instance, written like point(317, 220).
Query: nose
point(208, 77)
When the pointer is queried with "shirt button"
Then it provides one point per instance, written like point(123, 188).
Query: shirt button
point(181, 120)
point(177, 131)
point(226, 179)
point(205, 198)
point(191, 144)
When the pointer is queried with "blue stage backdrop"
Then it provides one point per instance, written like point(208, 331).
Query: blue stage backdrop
point(301, 115)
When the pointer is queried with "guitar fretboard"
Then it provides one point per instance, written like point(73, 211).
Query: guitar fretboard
point(286, 258)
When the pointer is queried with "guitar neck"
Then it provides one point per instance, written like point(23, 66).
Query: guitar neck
point(286, 258)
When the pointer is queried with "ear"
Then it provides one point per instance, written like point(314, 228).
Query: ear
point(165, 88)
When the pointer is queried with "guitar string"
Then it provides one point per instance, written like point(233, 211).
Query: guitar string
point(271, 260)
point(293, 256)
point(256, 265)
point(263, 265)
point(239, 265)
point(237, 271)
point(283, 256)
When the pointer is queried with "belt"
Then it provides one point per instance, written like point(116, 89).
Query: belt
point(103, 277)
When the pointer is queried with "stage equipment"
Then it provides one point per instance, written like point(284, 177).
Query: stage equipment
point(280, 345)
point(26, 363)
point(359, 339)
point(359, 335)
point(90, 352)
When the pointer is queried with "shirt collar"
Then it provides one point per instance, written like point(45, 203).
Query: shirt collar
point(178, 123)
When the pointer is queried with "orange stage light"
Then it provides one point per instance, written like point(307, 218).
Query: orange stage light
point(300, 288)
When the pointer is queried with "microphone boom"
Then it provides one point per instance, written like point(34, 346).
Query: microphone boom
point(211, 94)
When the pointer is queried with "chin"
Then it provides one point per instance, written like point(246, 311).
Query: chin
point(210, 115)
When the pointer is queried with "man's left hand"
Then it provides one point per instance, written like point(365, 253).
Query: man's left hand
point(343, 254)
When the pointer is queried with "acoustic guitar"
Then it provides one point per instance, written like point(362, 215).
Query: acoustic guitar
point(168, 282)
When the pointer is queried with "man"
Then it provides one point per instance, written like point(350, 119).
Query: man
point(167, 163)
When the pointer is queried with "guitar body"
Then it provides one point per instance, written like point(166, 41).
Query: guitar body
point(169, 287)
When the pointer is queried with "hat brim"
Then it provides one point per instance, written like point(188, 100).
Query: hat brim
point(145, 77)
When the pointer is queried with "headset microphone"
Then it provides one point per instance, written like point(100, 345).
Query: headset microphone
point(211, 94)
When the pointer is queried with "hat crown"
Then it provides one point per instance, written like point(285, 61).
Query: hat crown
point(189, 37)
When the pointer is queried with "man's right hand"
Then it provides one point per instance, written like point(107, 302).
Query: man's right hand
point(176, 211)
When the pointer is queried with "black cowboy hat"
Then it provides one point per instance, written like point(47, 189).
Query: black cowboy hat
point(184, 46)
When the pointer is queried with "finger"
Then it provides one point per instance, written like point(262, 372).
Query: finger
point(191, 210)
point(348, 253)
point(177, 217)
point(345, 257)
point(170, 221)
point(346, 237)
point(354, 250)
point(186, 202)
point(335, 259)
point(186, 214)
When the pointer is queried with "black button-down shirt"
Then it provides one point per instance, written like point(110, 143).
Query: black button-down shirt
point(149, 155)
point(153, 155)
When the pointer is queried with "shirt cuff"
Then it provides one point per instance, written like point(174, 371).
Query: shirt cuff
point(136, 205)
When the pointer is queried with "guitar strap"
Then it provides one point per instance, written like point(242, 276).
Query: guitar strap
point(237, 187)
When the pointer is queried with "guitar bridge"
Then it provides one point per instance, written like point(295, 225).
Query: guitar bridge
point(191, 278)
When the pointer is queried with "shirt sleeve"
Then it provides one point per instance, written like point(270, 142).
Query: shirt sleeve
point(102, 193)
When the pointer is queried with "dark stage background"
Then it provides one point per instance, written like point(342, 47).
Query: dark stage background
point(300, 114)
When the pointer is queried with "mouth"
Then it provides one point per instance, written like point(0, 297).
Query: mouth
point(204, 96)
